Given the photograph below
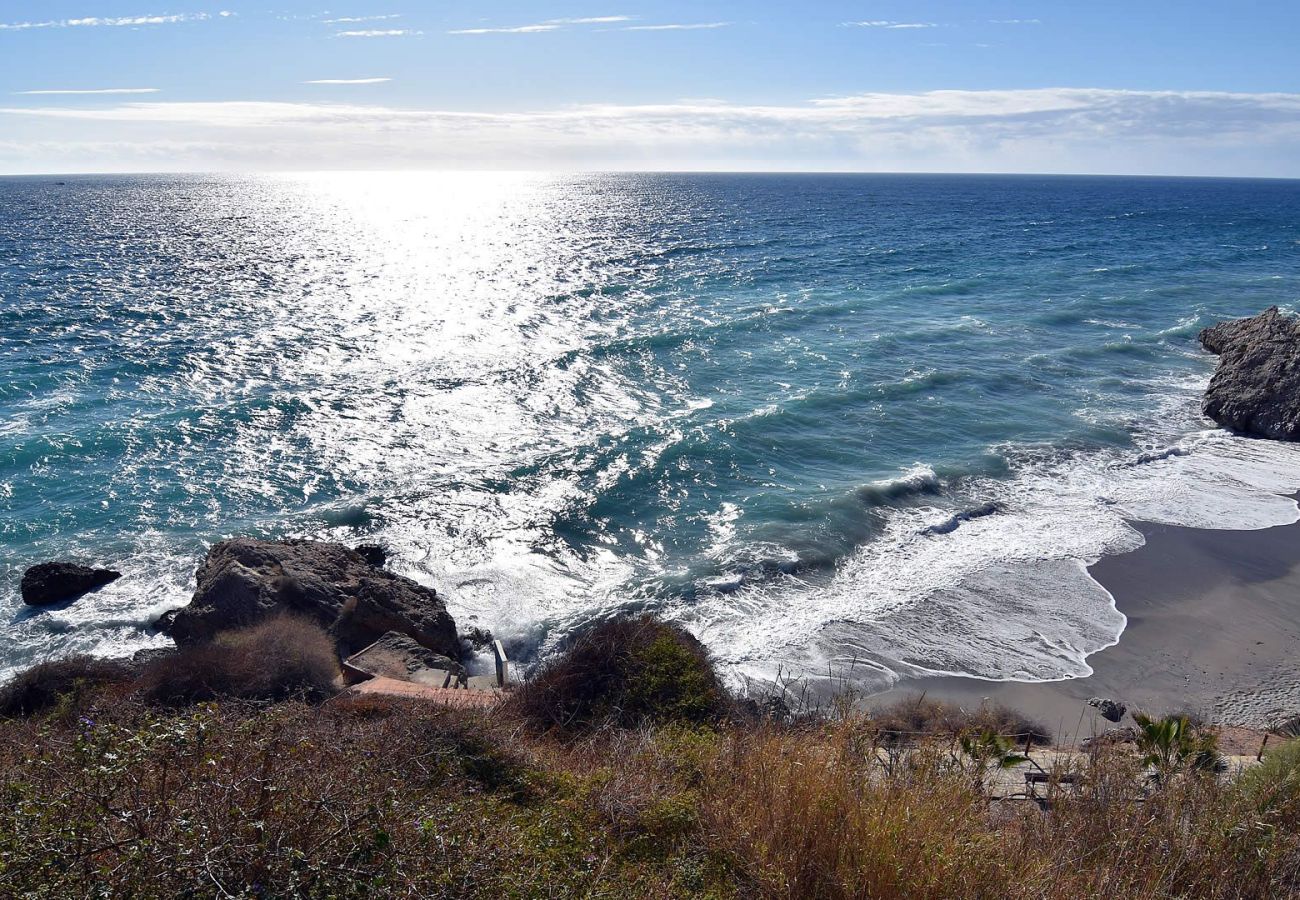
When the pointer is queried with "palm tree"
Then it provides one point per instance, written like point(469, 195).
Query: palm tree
point(988, 749)
point(1172, 743)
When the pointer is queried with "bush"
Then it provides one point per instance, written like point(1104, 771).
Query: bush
point(919, 717)
point(1275, 783)
point(281, 658)
point(47, 684)
point(625, 672)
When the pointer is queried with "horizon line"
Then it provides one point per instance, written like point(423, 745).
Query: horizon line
point(629, 171)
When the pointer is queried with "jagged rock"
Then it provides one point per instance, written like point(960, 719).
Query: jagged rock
point(1256, 388)
point(1111, 710)
point(374, 554)
point(54, 582)
point(164, 622)
point(478, 638)
point(243, 581)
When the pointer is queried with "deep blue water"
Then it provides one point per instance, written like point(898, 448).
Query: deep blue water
point(817, 418)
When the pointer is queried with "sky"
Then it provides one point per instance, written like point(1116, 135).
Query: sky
point(1167, 88)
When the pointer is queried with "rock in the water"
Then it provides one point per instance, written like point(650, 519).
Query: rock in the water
point(54, 582)
point(1112, 710)
point(374, 554)
point(243, 581)
point(1256, 389)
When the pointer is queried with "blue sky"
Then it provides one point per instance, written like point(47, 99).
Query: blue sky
point(1155, 87)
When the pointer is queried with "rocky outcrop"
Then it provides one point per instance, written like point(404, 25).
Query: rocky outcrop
point(243, 581)
point(1111, 710)
point(1256, 389)
point(55, 582)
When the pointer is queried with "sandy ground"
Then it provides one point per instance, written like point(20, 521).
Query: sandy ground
point(1213, 628)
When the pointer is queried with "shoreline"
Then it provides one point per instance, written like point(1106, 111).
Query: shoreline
point(1213, 623)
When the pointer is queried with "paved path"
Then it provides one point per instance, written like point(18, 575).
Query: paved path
point(391, 687)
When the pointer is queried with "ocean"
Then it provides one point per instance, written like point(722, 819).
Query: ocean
point(846, 427)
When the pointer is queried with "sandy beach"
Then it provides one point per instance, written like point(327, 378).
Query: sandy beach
point(1213, 629)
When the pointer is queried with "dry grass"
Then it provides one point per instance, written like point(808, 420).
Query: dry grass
point(910, 717)
point(277, 659)
point(49, 684)
point(381, 797)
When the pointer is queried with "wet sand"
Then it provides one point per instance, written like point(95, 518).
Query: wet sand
point(1213, 628)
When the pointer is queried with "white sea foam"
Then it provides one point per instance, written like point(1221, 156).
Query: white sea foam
point(1004, 595)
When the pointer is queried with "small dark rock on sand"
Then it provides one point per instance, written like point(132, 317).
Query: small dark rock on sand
point(1256, 388)
point(1111, 710)
point(55, 582)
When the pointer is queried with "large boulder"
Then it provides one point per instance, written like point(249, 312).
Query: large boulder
point(243, 581)
point(55, 582)
point(1256, 389)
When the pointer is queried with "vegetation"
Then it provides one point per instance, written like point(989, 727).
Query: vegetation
point(624, 673)
point(61, 681)
point(910, 717)
point(1174, 744)
point(277, 659)
point(647, 791)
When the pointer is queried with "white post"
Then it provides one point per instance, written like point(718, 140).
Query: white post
point(503, 664)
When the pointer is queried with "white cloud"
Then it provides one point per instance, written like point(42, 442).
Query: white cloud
point(378, 33)
point(880, 23)
point(348, 81)
point(693, 26)
point(1015, 21)
point(353, 20)
point(1059, 129)
point(545, 27)
point(117, 22)
point(92, 91)
point(593, 20)
point(518, 29)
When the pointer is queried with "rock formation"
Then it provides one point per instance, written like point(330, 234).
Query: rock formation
point(54, 582)
point(1256, 389)
point(243, 581)
point(1111, 710)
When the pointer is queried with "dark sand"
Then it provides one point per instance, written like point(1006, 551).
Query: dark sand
point(1213, 628)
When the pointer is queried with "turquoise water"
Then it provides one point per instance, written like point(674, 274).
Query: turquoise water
point(878, 421)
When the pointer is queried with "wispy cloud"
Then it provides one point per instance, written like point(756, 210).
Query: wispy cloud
point(688, 26)
point(882, 23)
point(379, 33)
point(539, 28)
point(1015, 22)
point(353, 20)
point(348, 81)
point(114, 22)
point(545, 27)
point(592, 20)
point(90, 91)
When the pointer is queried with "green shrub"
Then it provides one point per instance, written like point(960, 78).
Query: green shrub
point(1275, 783)
point(625, 672)
point(46, 685)
point(277, 659)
